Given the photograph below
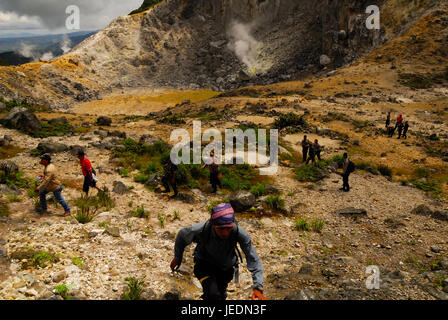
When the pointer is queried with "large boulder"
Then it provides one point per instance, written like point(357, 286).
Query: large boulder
point(242, 200)
point(120, 188)
point(22, 119)
point(9, 167)
point(51, 147)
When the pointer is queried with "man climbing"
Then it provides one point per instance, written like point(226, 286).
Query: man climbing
point(311, 155)
point(347, 168)
point(400, 129)
point(305, 148)
point(399, 120)
point(215, 259)
point(388, 120)
point(169, 175)
point(317, 149)
point(215, 173)
point(88, 172)
point(405, 130)
point(50, 183)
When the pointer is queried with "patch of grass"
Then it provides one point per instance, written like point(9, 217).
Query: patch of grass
point(414, 81)
point(55, 129)
point(309, 174)
point(140, 212)
point(13, 198)
point(302, 224)
point(385, 170)
point(77, 261)
point(360, 124)
point(103, 224)
point(258, 189)
point(275, 202)
point(124, 172)
point(176, 215)
point(421, 172)
point(431, 186)
point(40, 259)
point(174, 119)
point(9, 151)
point(16, 180)
point(290, 120)
point(134, 288)
point(162, 220)
point(317, 225)
point(62, 290)
point(141, 178)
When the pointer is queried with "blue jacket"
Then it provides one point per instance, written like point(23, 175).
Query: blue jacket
point(219, 252)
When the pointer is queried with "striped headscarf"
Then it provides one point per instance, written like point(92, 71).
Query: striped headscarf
point(223, 216)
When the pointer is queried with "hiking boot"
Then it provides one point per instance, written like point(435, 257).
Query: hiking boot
point(66, 214)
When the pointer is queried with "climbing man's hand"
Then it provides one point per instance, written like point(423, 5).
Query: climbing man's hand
point(257, 294)
point(174, 265)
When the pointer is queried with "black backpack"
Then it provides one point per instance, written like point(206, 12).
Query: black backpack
point(351, 167)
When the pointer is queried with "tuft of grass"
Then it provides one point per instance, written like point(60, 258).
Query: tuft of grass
point(161, 218)
point(62, 290)
point(14, 198)
point(124, 172)
point(77, 261)
point(40, 259)
point(134, 289)
point(258, 189)
point(176, 215)
point(385, 170)
point(140, 212)
point(289, 120)
point(317, 225)
point(275, 202)
point(309, 174)
point(302, 224)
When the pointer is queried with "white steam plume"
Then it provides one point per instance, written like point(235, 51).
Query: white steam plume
point(27, 50)
point(66, 44)
point(47, 56)
point(243, 44)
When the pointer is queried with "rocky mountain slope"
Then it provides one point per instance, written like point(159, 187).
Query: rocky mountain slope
point(395, 216)
point(213, 44)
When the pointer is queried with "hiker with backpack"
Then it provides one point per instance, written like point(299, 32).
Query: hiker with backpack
point(305, 147)
point(347, 168)
point(215, 257)
point(50, 183)
point(89, 173)
point(405, 130)
point(169, 175)
point(388, 120)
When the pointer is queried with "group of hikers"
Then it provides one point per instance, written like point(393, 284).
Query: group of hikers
point(216, 254)
point(50, 182)
point(401, 125)
point(310, 150)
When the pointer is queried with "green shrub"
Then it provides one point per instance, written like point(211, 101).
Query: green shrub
point(289, 120)
point(302, 224)
point(258, 190)
point(414, 81)
point(40, 259)
point(141, 178)
point(275, 202)
point(385, 171)
point(147, 4)
point(134, 289)
point(429, 186)
point(77, 261)
point(422, 172)
point(56, 129)
point(161, 218)
point(124, 172)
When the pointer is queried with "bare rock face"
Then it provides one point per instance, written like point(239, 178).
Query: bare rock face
point(22, 119)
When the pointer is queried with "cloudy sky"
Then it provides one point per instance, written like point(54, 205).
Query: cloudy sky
point(49, 16)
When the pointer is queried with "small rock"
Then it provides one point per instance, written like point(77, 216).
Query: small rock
point(435, 249)
point(113, 231)
point(306, 269)
point(59, 276)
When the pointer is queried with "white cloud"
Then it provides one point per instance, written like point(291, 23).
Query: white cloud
point(13, 21)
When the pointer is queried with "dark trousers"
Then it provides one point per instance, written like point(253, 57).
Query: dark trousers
point(405, 134)
point(399, 132)
point(304, 154)
point(57, 195)
point(167, 180)
point(312, 157)
point(213, 280)
point(215, 182)
point(345, 184)
point(88, 183)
